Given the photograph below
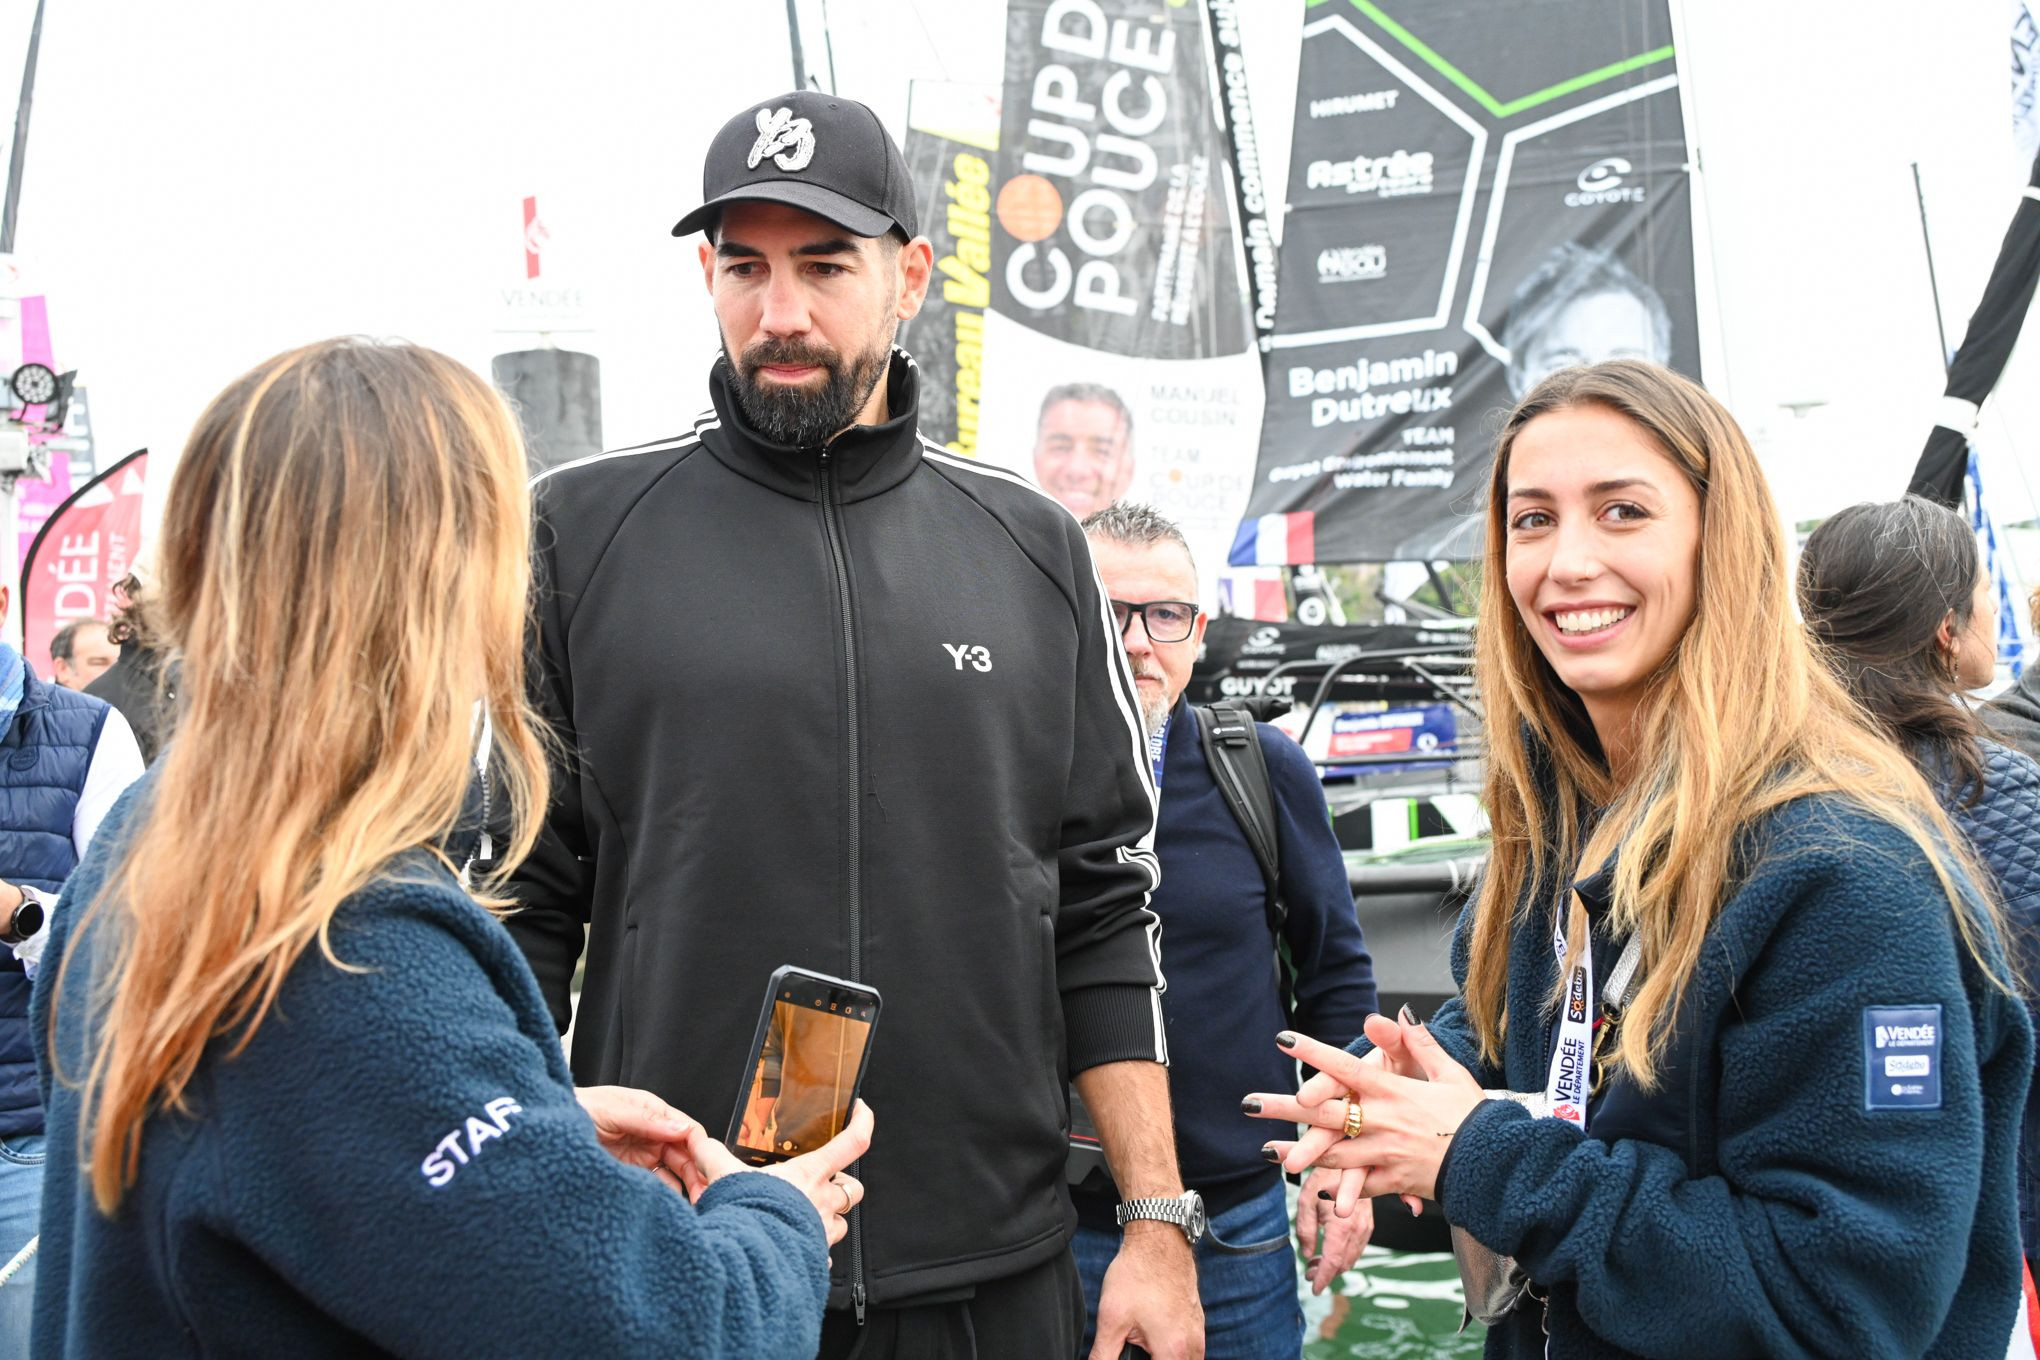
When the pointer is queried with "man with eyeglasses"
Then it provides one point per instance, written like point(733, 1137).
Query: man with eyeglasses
point(1224, 1003)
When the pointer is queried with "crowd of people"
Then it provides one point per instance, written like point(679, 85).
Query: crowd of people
point(1738, 1063)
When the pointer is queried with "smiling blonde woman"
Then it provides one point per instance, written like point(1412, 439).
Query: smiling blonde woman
point(1791, 1129)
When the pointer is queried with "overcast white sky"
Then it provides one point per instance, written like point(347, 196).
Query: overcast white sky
point(211, 181)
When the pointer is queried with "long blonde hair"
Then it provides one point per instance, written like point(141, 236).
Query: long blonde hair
point(1741, 719)
point(344, 574)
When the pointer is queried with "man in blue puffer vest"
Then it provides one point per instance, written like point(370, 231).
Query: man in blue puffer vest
point(64, 758)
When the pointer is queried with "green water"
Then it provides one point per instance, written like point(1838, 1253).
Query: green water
point(1395, 1305)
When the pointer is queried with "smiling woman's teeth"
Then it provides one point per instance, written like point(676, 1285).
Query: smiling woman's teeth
point(1590, 620)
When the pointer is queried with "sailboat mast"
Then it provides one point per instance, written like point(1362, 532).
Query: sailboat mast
point(9, 213)
point(792, 37)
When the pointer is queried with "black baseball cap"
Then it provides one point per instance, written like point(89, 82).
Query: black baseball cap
point(818, 152)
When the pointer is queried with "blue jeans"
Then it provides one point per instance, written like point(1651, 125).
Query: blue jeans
point(1250, 1305)
point(21, 1178)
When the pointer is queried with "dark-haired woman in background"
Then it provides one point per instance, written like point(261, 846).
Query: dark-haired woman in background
point(1897, 597)
point(135, 683)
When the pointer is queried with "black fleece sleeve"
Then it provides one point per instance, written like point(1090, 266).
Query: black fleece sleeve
point(1108, 940)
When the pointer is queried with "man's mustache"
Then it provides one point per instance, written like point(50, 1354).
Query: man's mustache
point(788, 352)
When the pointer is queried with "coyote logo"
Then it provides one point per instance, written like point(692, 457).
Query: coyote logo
point(793, 139)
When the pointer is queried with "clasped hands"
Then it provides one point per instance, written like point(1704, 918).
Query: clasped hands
point(1412, 1096)
point(639, 1129)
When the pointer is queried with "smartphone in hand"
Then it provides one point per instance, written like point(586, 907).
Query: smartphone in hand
point(807, 1063)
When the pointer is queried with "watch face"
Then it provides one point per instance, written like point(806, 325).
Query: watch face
point(1194, 1219)
point(34, 384)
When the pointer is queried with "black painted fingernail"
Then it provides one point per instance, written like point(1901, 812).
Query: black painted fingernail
point(1250, 1105)
point(1325, 1194)
point(1408, 1016)
point(1286, 1039)
point(1271, 1153)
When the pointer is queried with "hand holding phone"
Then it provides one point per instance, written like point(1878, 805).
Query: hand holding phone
point(637, 1128)
point(819, 1175)
point(807, 1061)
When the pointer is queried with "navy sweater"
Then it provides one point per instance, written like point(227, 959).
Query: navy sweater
point(1222, 1007)
point(396, 1165)
point(1751, 1204)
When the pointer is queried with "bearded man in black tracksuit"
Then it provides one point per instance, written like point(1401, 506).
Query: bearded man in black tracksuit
point(830, 696)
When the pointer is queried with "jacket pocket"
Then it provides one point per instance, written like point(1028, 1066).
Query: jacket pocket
point(627, 987)
point(1053, 1036)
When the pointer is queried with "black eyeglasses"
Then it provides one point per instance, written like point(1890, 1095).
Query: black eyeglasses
point(1165, 620)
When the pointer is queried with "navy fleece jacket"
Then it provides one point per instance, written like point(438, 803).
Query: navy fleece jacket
point(1751, 1204)
point(395, 1165)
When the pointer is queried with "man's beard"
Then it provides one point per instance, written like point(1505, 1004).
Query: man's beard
point(1155, 704)
point(802, 415)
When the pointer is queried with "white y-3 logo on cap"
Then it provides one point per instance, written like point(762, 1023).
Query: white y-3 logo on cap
point(790, 141)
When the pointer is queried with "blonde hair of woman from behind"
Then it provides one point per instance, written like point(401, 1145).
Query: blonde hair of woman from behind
point(1742, 720)
point(345, 572)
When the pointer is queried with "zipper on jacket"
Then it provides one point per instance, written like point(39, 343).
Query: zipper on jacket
point(832, 530)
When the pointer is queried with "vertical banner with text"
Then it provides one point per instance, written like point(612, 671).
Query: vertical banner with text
point(1481, 192)
point(81, 552)
point(952, 138)
point(1121, 340)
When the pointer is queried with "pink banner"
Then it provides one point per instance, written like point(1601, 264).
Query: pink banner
point(85, 548)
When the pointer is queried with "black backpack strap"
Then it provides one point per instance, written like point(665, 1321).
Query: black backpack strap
point(1232, 749)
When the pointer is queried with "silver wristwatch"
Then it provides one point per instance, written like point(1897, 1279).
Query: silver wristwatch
point(1186, 1211)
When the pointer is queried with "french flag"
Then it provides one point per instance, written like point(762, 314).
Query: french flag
point(1276, 541)
point(1246, 597)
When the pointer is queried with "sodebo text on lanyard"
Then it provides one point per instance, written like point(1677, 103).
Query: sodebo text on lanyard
point(1570, 1082)
point(1494, 1284)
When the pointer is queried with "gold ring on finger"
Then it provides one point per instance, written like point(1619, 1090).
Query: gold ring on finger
point(1355, 1121)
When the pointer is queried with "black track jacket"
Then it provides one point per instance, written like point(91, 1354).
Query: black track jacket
point(860, 709)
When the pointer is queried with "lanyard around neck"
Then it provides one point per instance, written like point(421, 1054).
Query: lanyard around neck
point(1569, 1082)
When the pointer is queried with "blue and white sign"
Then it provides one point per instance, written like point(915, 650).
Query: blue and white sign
point(1902, 1057)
